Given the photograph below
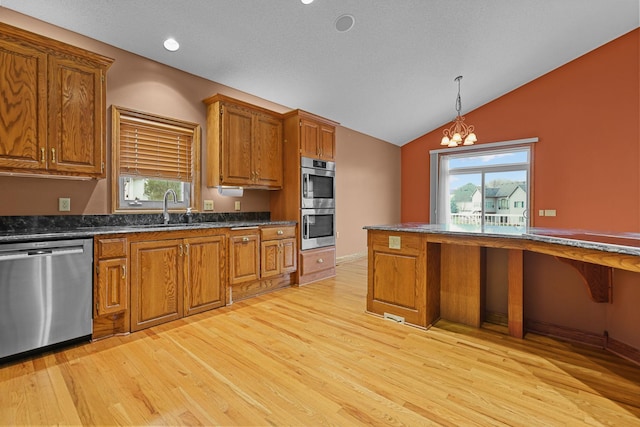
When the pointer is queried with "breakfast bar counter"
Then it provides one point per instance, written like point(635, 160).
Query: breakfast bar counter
point(420, 273)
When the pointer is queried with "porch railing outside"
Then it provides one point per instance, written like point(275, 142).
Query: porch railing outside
point(507, 220)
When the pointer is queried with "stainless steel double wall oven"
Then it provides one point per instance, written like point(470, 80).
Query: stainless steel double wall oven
point(318, 187)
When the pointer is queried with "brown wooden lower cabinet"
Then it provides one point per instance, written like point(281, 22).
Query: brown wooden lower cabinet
point(244, 256)
point(157, 276)
point(205, 274)
point(261, 260)
point(397, 278)
point(111, 290)
point(278, 251)
point(317, 264)
point(145, 279)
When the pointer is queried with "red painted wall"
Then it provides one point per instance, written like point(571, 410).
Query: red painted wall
point(586, 115)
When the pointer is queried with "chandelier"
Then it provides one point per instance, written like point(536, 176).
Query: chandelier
point(459, 130)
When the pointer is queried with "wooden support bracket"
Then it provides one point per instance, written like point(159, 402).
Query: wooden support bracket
point(598, 278)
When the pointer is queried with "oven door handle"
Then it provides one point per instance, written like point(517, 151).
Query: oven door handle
point(305, 186)
point(305, 227)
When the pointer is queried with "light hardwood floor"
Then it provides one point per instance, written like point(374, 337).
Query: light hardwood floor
point(311, 356)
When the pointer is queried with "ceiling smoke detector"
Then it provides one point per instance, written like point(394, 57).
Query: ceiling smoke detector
point(345, 22)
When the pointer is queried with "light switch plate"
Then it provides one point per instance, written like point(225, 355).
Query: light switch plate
point(549, 212)
point(208, 205)
point(237, 206)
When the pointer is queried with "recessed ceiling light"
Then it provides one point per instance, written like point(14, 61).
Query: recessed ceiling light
point(171, 45)
point(345, 22)
point(306, 1)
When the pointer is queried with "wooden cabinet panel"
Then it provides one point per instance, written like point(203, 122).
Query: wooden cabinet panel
point(245, 144)
point(462, 284)
point(397, 277)
point(53, 96)
point(289, 254)
point(267, 151)
point(271, 260)
point(157, 276)
point(75, 117)
point(273, 233)
point(309, 133)
point(316, 260)
point(278, 251)
point(327, 142)
point(317, 140)
point(23, 106)
point(112, 248)
point(112, 286)
point(237, 131)
point(244, 257)
point(205, 284)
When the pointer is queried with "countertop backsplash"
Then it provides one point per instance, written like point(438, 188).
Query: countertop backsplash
point(65, 222)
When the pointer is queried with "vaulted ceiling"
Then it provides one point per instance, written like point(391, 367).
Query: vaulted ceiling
point(391, 75)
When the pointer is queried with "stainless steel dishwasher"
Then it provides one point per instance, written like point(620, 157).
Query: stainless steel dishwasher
point(45, 294)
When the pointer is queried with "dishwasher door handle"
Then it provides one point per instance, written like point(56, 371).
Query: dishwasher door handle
point(38, 253)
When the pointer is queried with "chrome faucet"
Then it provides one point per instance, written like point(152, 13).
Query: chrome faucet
point(165, 200)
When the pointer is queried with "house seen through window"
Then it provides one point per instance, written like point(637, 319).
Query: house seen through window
point(488, 187)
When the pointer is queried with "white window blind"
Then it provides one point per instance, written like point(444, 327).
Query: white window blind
point(154, 149)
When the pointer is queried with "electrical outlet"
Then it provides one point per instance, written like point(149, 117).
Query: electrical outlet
point(208, 205)
point(237, 206)
point(64, 204)
point(541, 212)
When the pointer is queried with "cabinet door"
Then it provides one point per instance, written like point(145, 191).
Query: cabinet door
point(271, 259)
point(267, 151)
point(205, 272)
point(327, 142)
point(112, 286)
point(244, 258)
point(156, 282)
point(237, 134)
point(397, 276)
point(75, 118)
point(289, 254)
point(23, 107)
point(309, 134)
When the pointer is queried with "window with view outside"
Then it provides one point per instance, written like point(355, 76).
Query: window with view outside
point(489, 188)
point(153, 154)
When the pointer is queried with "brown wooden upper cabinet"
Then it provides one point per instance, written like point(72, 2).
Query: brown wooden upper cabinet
point(317, 139)
point(52, 100)
point(244, 144)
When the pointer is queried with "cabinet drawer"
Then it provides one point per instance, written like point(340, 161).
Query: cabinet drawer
point(273, 233)
point(112, 248)
point(317, 260)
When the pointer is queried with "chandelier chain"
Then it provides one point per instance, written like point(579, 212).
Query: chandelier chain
point(459, 132)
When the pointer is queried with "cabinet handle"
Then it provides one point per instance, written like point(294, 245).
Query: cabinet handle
point(42, 151)
point(279, 232)
point(181, 250)
point(245, 239)
point(53, 155)
point(320, 260)
point(186, 249)
point(124, 271)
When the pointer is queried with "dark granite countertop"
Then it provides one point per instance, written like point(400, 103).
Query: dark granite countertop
point(623, 243)
point(87, 227)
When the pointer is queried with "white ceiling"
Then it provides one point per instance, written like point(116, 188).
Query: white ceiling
point(391, 76)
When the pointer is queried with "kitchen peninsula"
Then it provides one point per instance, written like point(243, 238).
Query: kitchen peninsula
point(421, 273)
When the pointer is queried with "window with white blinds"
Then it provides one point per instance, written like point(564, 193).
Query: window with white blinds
point(152, 154)
point(155, 149)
